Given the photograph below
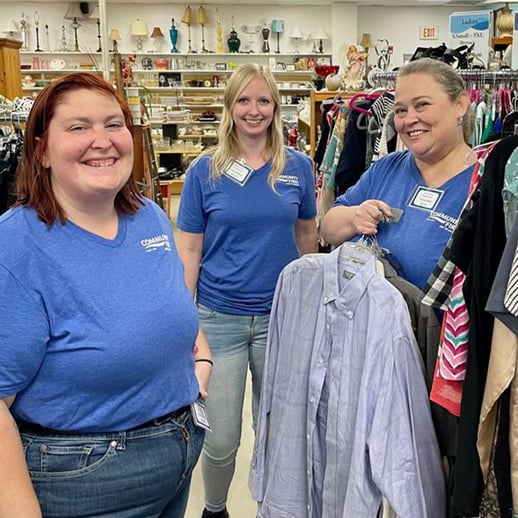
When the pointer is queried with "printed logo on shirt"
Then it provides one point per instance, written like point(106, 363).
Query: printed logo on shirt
point(154, 243)
point(445, 221)
point(289, 179)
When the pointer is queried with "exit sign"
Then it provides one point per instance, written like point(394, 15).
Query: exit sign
point(428, 32)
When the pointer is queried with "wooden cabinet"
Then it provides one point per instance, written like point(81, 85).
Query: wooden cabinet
point(10, 75)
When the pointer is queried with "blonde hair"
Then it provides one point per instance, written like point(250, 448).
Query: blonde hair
point(228, 145)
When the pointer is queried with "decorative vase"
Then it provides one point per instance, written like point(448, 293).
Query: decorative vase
point(333, 82)
point(319, 83)
point(233, 41)
point(173, 34)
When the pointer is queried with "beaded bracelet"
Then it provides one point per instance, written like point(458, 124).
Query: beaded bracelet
point(206, 360)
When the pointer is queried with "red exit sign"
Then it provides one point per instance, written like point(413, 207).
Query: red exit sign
point(429, 32)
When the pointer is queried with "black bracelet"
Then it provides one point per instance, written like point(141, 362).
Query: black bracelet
point(206, 360)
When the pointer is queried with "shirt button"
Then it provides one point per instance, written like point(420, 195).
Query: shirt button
point(349, 314)
point(325, 299)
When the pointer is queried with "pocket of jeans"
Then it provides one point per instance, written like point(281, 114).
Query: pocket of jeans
point(204, 312)
point(61, 458)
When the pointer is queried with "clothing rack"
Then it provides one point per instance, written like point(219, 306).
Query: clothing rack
point(381, 78)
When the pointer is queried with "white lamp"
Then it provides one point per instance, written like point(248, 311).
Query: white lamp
point(73, 13)
point(320, 36)
point(296, 36)
point(139, 30)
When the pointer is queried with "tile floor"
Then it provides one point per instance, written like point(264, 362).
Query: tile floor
point(240, 503)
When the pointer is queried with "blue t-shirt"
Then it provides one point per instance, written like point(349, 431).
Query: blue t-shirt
point(249, 231)
point(429, 217)
point(96, 334)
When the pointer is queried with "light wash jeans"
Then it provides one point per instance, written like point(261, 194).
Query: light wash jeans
point(237, 342)
point(144, 473)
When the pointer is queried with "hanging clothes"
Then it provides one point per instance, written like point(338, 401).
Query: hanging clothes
point(476, 249)
point(344, 417)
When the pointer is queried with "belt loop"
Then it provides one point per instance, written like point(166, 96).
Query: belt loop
point(121, 441)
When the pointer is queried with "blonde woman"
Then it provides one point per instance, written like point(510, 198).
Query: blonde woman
point(247, 210)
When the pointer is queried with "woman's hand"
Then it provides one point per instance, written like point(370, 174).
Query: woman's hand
point(203, 371)
point(368, 215)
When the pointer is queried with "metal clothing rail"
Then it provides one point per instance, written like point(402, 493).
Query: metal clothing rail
point(381, 78)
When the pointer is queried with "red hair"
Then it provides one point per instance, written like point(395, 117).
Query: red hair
point(33, 186)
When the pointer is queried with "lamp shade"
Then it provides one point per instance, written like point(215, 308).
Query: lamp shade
point(95, 14)
point(114, 35)
point(73, 11)
point(366, 41)
point(201, 17)
point(138, 28)
point(156, 33)
point(277, 26)
point(296, 33)
point(187, 15)
point(320, 35)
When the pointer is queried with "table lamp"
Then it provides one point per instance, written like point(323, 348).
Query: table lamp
point(278, 28)
point(114, 37)
point(139, 30)
point(73, 13)
point(296, 36)
point(187, 18)
point(320, 36)
point(158, 37)
point(201, 19)
point(96, 15)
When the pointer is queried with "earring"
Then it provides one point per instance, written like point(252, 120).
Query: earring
point(460, 120)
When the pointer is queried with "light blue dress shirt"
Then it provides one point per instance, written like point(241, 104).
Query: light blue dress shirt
point(344, 416)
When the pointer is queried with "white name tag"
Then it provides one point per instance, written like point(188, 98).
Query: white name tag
point(237, 171)
point(425, 198)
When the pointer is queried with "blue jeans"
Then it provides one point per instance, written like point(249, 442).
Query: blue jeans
point(237, 342)
point(140, 473)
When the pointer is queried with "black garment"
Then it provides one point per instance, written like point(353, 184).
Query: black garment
point(351, 163)
point(427, 331)
point(325, 131)
point(477, 246)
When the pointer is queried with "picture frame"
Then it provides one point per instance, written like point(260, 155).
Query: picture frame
point(221, 66)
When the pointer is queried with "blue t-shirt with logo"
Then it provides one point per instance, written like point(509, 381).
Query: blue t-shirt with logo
point(429, 215)
point(249, 231)
point(96, 334)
